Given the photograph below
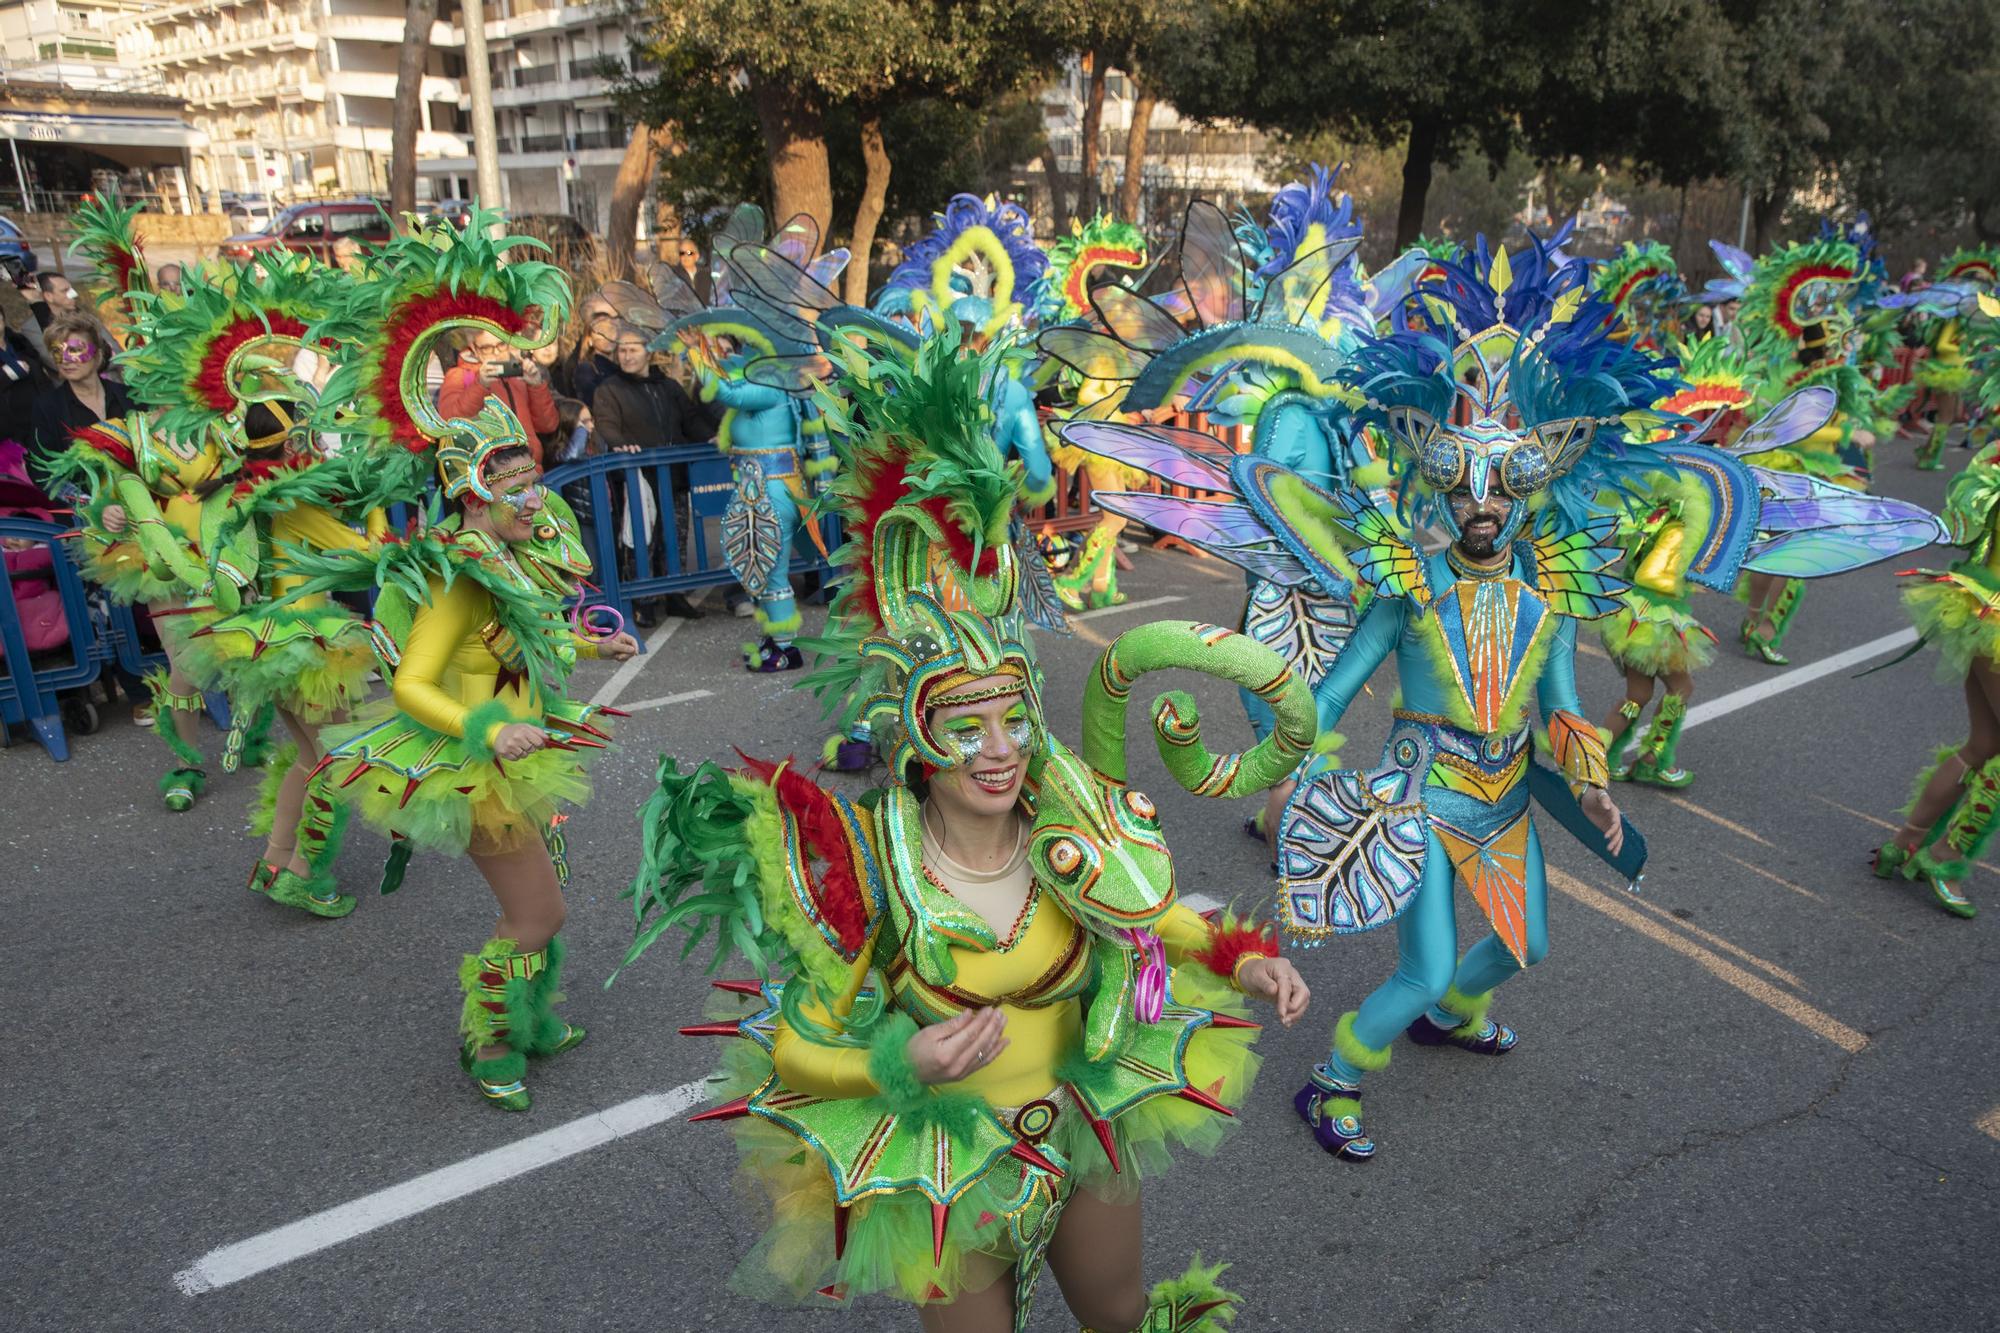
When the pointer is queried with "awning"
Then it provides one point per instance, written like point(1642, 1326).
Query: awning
point(100, 130)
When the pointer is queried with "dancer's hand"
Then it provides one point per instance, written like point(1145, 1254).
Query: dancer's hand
point(1599, 808)
point(1276, 980)
point(947, 1052)
point(518, 740)
point(620, 647)
point(113, 518)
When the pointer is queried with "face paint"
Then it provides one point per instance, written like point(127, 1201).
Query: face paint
point(966, 737)
point(517, 505)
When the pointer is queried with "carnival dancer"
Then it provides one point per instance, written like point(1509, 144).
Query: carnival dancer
point(1079, 263)
point(1951, 814)
point(217, 362)
point(1797, 331)
point(1947, 373)
point(475, 750)
point(1642, 284)
point(776, 444)
point(138, 523)
point(1655, 638)
point(984, 1019)
point(1529, 490)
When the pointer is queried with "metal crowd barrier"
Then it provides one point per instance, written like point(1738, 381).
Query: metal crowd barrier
point(625, 505)
point(31, 681)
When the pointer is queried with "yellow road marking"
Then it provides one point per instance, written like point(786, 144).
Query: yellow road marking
point(1711, 816)
point(1989, 1124)
point(1799, 889)
point(1805, 1015)
point(1088, 635)
point(1790, 979)
point(1879, 822)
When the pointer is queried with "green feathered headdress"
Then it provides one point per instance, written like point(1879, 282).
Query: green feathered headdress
point(928, 581)
point(227, 342)
point(421, 285)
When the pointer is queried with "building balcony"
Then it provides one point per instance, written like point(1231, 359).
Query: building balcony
point(365, 83)
point(386, 28)
point(546, 90)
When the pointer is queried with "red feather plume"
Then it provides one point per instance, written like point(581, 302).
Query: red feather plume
point(408, 323)
point(119, 449)
point(211, 381)
point(1232, 943)
point(836, 891)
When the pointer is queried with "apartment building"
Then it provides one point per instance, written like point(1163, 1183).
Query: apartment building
point(68, 42)
point(295, 96)
point(560, 137)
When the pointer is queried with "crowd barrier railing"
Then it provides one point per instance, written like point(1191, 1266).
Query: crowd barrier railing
point(625, 504)
point(31, 682)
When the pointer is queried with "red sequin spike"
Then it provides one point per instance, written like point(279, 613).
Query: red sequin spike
point(940, 1214)
point(352, 777)
point(409, 790)
point(556, 743)
point(614, 712)
point(1101, 1128)
point(711, 1030)
point(580, 725)
point(835, 1291)
point(1232, 1021)
point(1203, 1099)
point(1192, 1315)
point(740, 987)
point(727, 1111)
point(839, 1229)
point(1027, 1153)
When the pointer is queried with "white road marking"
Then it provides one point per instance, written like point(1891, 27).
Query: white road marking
point(1797, 676)
point(666, 699)
point(1127, 606)
point(628, 671)
point(358, 1217)
point(1200, 902)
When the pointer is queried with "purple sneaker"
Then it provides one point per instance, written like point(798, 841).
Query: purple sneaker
point(1339, 1133)
point(768, 657)
point(1491, 1039)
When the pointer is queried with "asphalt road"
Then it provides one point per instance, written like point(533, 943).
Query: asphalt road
point(1760, 1096)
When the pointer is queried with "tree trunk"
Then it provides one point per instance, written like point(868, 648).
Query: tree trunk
point(1417, 164)
point(1059, 214)
point(407, 116)
point(1766, 211)
point(795, 144)
point(874, 197)
point(1135, 151)
point(628, 194)
point(1093, 127)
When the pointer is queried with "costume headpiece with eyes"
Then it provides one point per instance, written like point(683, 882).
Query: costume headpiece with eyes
point(1506, 380)
point(1798, 295)
point(926, 606)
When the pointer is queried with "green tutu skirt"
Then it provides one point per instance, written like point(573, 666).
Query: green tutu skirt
point(1656, 635)
point(119, 569)
point(1959, 611)
point(445, 795)
point(1952, 377)
point(314, 664)
point(889, 1242)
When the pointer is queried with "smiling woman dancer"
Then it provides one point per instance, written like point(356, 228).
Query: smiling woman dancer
point(989, 1020)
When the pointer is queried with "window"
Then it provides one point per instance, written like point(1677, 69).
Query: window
point(312, 224)
point(353, 224)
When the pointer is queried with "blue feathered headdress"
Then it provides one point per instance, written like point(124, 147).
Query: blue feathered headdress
point(976, 247)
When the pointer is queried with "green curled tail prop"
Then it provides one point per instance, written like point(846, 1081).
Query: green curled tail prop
point(1213, 651)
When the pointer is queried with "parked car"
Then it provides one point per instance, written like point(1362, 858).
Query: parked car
point(314, 229)
point(248, 215)
point(16, 255)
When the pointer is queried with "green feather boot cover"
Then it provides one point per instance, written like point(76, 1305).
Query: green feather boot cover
point(184, 783)
point(1656, 763)
point(1930, 454)
point(1194, 1302)
point(1967, 829)
point(1628, 715)
point(322, 825)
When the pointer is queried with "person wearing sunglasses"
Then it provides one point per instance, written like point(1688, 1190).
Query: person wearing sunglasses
point(687, 258)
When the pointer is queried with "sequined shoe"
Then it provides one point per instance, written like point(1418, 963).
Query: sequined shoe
point(1889, 860)
point(263, 875)
point(498, 1079)
point(1336, 1126)
point(572, 1037)
point(1491, 1039)
point(767, 657)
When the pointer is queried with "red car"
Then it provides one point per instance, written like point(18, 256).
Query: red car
point(314, 229)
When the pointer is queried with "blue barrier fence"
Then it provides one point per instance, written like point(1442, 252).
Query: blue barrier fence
point(606, 493)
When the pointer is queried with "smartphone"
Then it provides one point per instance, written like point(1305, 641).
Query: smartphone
point(510, 370)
